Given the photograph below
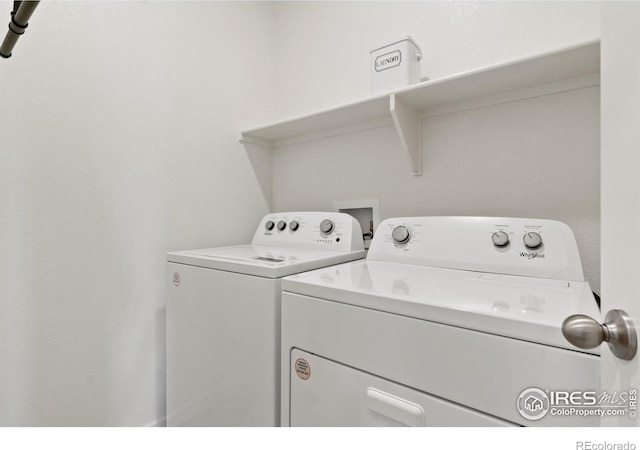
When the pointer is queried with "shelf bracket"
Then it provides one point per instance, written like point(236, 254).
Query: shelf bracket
point(244, 139)
point(407, 122)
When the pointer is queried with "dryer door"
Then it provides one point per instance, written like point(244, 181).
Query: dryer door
point(326, 393)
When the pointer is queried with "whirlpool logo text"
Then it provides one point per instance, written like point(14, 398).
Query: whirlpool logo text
point(531, 255)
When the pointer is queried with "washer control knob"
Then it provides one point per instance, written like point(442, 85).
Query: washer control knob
point(500, 239)
point(282, 225)
point(401, 235)
point(269, 225)
point(532, 240)
point(326, 226)
point(294, 225)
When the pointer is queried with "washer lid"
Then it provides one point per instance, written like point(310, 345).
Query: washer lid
point(262, 261)
point(526, 308)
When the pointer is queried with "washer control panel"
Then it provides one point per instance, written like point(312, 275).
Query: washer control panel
point(310, 230)
point(529, 247)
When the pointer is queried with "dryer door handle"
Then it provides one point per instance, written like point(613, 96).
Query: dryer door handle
point(395, 408)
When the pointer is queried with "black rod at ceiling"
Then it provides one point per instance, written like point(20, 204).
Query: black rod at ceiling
point(22, 11)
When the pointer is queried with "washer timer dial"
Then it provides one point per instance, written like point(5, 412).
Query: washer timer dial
point(401, 235)
point(326, 226)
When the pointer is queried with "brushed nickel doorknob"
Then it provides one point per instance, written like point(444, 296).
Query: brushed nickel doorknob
point(617, 330)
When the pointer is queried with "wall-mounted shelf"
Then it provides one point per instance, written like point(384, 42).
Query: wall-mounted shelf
point(557, 71)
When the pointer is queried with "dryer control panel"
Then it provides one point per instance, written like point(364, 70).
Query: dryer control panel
point(332, 231)
point(529, 247)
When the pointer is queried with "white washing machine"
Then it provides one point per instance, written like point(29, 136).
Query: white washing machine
point(450, 321)
point(223, 317)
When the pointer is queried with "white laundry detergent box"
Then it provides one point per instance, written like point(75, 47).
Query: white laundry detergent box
point(395, 65)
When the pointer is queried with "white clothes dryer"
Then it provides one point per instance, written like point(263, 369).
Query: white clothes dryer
point(450, 321)
point(223, 317)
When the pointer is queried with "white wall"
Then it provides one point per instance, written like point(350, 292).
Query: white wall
point(530, 158)
point(117, 143)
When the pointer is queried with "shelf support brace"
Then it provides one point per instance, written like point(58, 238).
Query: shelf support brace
point(244, 139)
point(407, 122)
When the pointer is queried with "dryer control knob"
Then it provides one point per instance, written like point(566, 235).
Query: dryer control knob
point(401, 235)
point(269, 225)
point(326, 226)
point(532, 240)
point(294, 225)
point(500, 239)
point(282, 225)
